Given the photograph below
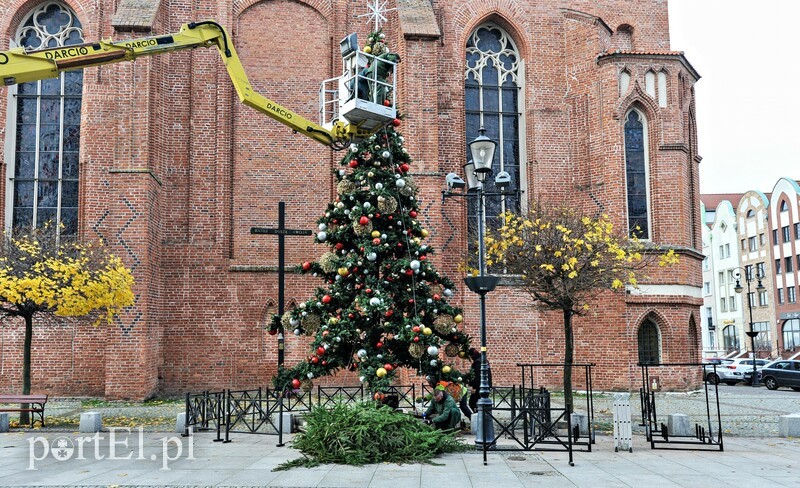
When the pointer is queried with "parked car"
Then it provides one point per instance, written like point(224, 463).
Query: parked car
point(781, 373)
point(733, 372)
point(712, 374)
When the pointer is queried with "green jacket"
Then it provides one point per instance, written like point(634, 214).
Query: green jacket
point(448, 415)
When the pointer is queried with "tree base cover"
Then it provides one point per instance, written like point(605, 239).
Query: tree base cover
point(367, 433)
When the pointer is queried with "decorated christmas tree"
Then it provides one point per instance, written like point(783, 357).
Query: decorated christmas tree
point(383, 305)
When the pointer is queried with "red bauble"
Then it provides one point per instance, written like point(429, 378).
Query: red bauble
point(325, 333)
point(339, 246)
point(413, 214)
point(295, 383)
point(273, 331)
point(320, 350)
point(416, 339)
point(416, 328)
point(404, 167)
point(363, 220)
point(378, 397)
point(376, 241)
point(387, 103)
point(409, 272)
point(324, 363)
point(306, 266)
point(436, 297)
point(396, 122)
point(314, 359)
point(389, 313)
point(353, 163)
point(326, 299)
point(388, 367)
point(351, 315)
point(377, 216)
point(379, 345)
point(368, 290)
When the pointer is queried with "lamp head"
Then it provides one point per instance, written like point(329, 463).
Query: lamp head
point(472, 180)
point(760, 286)
point(502, 180)
point(454, 182)
point(482, 151)
point(738, 288)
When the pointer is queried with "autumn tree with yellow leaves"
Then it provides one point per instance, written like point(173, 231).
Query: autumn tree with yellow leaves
point(565, 259)
point(48, 277)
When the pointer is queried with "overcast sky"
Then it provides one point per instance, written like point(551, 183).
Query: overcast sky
point(748, 97)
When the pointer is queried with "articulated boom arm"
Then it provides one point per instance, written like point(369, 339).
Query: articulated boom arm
point(20, 66)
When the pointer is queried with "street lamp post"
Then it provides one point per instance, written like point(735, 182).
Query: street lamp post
point(482, 152)
point(748, 277)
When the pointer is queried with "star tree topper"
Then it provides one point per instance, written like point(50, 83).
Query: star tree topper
point(376, 13)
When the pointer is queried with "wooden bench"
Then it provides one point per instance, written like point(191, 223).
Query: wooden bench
point(35, 405)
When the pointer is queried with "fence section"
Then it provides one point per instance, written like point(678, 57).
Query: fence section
point(677, 433)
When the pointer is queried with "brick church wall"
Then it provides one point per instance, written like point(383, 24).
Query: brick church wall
point(175, 171)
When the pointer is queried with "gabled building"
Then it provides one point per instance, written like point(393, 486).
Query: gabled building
point(784, 212)
point(723, 251)
point(756, 260)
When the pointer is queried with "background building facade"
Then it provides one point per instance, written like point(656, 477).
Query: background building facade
point(159, 159)
point(768, 234)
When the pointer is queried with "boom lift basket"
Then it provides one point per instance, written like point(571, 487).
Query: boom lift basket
point(365, 93)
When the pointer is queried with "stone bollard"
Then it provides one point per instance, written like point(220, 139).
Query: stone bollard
point(288, 422)
point(678, 425)
point(180, 423)
point(3, 422)
point(789, 425)
point(582, 421)
point(91, 422)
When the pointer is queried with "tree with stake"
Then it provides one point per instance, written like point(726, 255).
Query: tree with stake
point(566, 260)
point(51, 277)
point(384, 305)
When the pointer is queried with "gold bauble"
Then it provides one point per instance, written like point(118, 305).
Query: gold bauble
point(415, 349)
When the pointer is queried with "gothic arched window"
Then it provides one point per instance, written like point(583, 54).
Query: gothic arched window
point(45, 130)
point(649, 343)
point(636, 175)
point(492, 99)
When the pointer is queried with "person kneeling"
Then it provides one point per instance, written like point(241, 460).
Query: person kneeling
point(448, 416)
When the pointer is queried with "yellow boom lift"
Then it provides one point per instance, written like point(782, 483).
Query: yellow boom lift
point(352, 106)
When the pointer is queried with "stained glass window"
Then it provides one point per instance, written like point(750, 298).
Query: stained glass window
point(649, 343)
point(636, 176)
point(492, 92)
point(47, 134)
